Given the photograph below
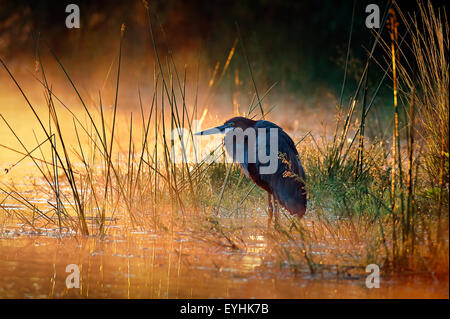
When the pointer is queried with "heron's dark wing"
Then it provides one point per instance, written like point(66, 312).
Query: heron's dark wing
point(286, 183)
point(286, 147)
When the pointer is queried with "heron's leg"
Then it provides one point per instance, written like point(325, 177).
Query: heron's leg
point(276, 211)
point(269, 209)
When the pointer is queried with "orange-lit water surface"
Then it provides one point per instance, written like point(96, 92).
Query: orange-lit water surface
point(144, 264)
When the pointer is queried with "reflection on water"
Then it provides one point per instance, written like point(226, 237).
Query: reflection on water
point(141, 264)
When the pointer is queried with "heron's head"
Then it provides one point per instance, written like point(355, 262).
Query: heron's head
point(235, 122)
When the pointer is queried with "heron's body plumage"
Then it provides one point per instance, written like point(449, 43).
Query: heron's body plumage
point(286, 184)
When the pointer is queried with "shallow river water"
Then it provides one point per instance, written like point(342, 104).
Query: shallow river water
point(151, 265)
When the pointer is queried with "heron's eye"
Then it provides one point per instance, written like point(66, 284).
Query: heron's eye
point(232, 124)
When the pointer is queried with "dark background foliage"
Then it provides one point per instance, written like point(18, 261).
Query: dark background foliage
point(301, 44)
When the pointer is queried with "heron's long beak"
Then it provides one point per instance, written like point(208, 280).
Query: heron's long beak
point(215, 130)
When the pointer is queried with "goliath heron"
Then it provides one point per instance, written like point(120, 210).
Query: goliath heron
point(286, 183)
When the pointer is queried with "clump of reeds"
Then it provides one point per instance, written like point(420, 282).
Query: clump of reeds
point(424, 84)
point(144, 178)
point(391, 199)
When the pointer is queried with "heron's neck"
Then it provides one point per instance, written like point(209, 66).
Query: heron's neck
point(245, 123)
